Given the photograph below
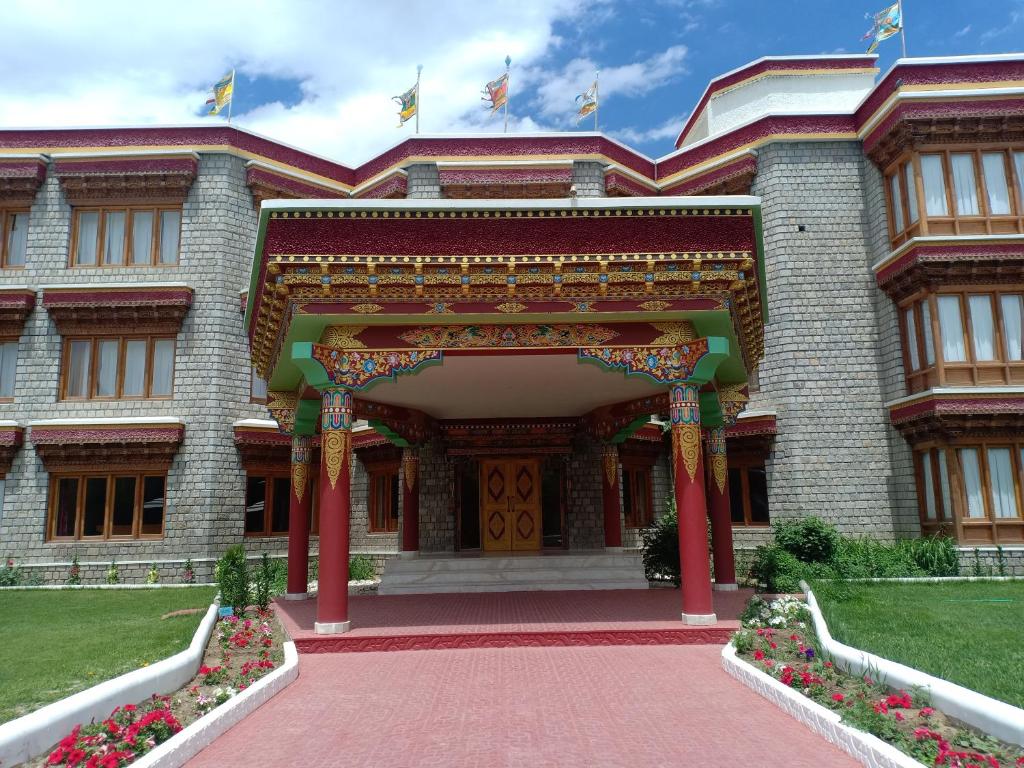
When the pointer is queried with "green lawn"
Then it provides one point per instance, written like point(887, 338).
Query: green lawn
point(58, 642)
point(971, 633)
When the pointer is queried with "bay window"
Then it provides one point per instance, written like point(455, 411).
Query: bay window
point(965, 188)
point(951, 329)
point(117, 367)
point(1010, 305)
point(106, 505)
point(998, 193)
point(13, 238)
point(982, 328)
point(934, 180)
point(125, 236)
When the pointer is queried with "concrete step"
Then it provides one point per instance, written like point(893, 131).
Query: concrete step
point(575, 571)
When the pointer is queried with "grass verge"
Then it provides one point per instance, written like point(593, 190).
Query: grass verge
point(60, 642)
point(965, 632)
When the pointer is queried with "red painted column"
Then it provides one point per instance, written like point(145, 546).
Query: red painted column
point(335, 479)
point(720, 512)
point(410, 501)
point(691, 505)
point(611, 496)
point(298, 519)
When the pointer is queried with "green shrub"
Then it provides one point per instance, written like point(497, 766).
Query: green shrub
point(776, 569)
point(233, 578)
point(660, 543)
point(262, 581)
point(871, 559)
point(113, 575)
point(11, 575)
point(935, 555)
point(809, 539)
point(279, 577)
point(360, 568)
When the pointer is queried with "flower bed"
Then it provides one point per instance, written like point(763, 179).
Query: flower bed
point(242, 649)
point(777, 640)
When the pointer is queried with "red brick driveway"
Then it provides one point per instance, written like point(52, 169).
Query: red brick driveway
point(526, 707)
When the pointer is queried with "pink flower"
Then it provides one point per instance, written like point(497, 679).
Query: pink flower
point(926, 712)
point(758, 655)
point(838, 697)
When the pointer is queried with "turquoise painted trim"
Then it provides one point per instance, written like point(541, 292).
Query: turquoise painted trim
point(710, 410)
point(626, 432)
point(254, 273)
point(390, 434)
point(315, 373)
point(307, 414)
point(718, 350)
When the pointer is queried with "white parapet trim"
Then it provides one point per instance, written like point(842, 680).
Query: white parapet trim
point(192, 740)
point(33, 734)
point(867, 749)
point(988, 715)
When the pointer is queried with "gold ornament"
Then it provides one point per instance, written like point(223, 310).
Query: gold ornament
point(611, 464)
point(686, 446)
point(367, 309)
point(719, 469)
point(654, 306)
point(674, 334)
point(335, 448)
point(300, 473)
point(343, 336)
point(511, 307)
point(410, 468)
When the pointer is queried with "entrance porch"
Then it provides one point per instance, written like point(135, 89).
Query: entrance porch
point(512, 619)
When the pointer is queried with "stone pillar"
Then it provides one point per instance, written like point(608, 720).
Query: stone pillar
point(691, 505)
point(335, 481)
point(410, 501)
point(299, 504)
point(720, 512)
point(611, 497)
point(423, 181)
point(588, 178)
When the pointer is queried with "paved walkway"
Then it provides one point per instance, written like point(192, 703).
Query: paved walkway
point(588, 706)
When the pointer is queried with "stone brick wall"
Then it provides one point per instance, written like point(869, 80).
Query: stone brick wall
point(588, 178)
point(584, 517)
point(821, 370)
point(437, 503)
point(992, 561)
point(423, 181)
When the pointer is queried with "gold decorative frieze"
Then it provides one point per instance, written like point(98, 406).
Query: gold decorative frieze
point(673, 334)
point(343, 336)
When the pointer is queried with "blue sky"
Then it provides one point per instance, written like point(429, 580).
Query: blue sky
point(319, 74)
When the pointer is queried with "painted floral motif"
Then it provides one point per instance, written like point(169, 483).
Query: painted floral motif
point(463, 336)
point(662, 364)
point(358, 370)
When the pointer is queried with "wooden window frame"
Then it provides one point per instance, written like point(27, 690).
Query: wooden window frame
point(744, 464)
point(129, 211)
point(955, 223)
point(271, 479)
point(373, 472)
point(82, 477)
point(17, 350)
point(630, 469)
point(94, 341)
point(6, 222)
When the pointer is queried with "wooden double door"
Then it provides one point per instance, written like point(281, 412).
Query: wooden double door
point(510, 504)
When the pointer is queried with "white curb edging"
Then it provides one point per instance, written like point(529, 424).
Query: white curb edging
point(34, 733)
point(988, 715)
point(183, 746)
point(867, 749)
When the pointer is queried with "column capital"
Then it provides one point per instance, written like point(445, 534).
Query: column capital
point(684, 416)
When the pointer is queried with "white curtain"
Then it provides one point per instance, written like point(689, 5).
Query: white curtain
point(934, 185)
point(908, 182)
point(113, 247)
point(106, 368)
point(8, 365)
point(163, 366)
point(964, 186)
point(142, 237)
point(135, 368)
point(1000, 474)
point(88, 231)
point(929, 486)
point(951, 327)
point(972, 482)
point(994, 166)
point(1010, 304)
point(926, 331)
point(982, 327)
point(1018, 162)
point(170, 226)
point(17, 240)
point(78, 373)
point(947, 504)
point(897, 203)
point(915, 359)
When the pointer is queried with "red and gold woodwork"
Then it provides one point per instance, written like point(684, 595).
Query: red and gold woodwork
point(299, 508)
point(335, 505)
point(611, 496)
point(719, 509)
point(410, 501)
point(691, 505)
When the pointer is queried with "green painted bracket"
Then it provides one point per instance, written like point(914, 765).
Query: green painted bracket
point(307, 414)
point(718, 350)
point(302, 356)
point(710, 410)
point(624, 434)
point(390, 434)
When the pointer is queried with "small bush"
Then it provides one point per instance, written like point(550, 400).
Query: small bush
point(11, 575)
point(935, 555)
point(660, 542)
point(113, 575)
point(153, 575)
point(776, 569)
point(871, 559)
point(360, 568)
point(262, 583)
point(75, 571)
point(233, 578)
point(279, 577)
point(809, 540)
point(188, 572)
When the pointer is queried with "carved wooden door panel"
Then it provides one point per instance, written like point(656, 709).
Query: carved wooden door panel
point(495, 506)
point(510, 508)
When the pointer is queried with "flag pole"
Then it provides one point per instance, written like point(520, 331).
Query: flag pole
point(903, 26)
point(419, 69)
point(597, 97)
point(231, 101)
point(508, 88)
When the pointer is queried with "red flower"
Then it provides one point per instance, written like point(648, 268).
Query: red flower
point(758, 654)
point(899, 716)
point(773, 646)
point(794, 638)
point(828, 665)
point(926, 712)
point(838, 697)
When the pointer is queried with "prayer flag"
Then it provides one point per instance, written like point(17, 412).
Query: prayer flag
point(407, 103)
point(885, 24)
point(223, 91)
point(587, 102)
point(496, 93)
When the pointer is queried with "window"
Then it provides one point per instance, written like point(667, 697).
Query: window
point(897, 203)
point(908, 181)
point(106, 506)
point(951, 328)
point(8, 364)
point(965, 188)
point(118, 367)
point(383, 495)
point(13, 238)
point(266, 505)
point(257, 388)
point(125, 236)
point(912, 343)
point(1018, 168)
point(982, 329)
point(933, 489)
point(636, 495)
point(997, 192)
point(935, 203)
point(748, 494)
point(1010, 305)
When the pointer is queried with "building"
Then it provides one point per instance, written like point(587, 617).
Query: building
point(824, 280)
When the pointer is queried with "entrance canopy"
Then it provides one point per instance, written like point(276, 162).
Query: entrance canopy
point(504, 308)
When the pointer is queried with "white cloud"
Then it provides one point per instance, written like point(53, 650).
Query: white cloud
point(963, 31)
point(118, 63)
point(669, 129)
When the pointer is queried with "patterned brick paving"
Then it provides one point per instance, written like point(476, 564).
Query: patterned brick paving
point(623, 706)
point(498, 619)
